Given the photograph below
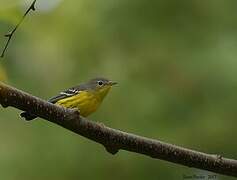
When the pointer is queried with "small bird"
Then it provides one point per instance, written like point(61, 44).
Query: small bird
point(85, 97)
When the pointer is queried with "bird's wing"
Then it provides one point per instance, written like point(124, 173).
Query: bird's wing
point(68, 93)
point(64, 94)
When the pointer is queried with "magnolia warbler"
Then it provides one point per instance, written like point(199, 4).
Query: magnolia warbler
point(85, 97)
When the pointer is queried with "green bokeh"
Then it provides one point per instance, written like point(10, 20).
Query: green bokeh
point(175, 62)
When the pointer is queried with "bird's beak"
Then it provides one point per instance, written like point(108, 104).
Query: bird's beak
point(111, 83)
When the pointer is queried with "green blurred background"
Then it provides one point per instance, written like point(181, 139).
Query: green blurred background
point(176, 65)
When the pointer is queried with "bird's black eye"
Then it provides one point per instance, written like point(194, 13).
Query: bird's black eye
point(100, 83)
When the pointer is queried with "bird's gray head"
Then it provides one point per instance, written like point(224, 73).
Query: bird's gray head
point(100, 86)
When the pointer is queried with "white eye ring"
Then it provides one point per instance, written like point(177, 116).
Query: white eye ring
point(100, 83)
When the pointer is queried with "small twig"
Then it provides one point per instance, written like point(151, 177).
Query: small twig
point(113, 140)
point(11, 33)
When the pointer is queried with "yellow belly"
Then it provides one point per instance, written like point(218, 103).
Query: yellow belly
point(85, 102)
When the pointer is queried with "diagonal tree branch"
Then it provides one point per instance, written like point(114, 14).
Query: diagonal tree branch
point(11, 33)
point(114, 140)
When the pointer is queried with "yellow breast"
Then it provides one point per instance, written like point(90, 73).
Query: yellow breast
point(84, 101)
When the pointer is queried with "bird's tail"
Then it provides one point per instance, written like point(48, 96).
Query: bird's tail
point(28, 116)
